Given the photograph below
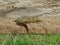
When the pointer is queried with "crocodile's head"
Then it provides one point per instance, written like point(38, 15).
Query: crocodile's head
point(19, 23)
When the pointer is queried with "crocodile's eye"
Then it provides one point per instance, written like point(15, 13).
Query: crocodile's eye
point(25, 21)
point(15, 21)
point(38, 20)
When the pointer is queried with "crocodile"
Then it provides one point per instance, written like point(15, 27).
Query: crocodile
point(24, 20)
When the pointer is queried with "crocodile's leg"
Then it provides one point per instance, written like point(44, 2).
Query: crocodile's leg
point(24, 25)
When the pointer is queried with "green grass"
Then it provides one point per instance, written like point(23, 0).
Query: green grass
point(9, 39)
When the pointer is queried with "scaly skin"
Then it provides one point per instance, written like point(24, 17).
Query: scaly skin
point(24, 20)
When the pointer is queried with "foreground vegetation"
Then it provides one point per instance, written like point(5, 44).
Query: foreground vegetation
point(9, 39)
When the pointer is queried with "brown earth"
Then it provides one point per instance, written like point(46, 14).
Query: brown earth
point(50, 22)
point(51, 25)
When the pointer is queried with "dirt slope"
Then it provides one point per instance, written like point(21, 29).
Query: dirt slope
point(50, 20)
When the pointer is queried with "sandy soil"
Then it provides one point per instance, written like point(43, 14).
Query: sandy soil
point(50, 19)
